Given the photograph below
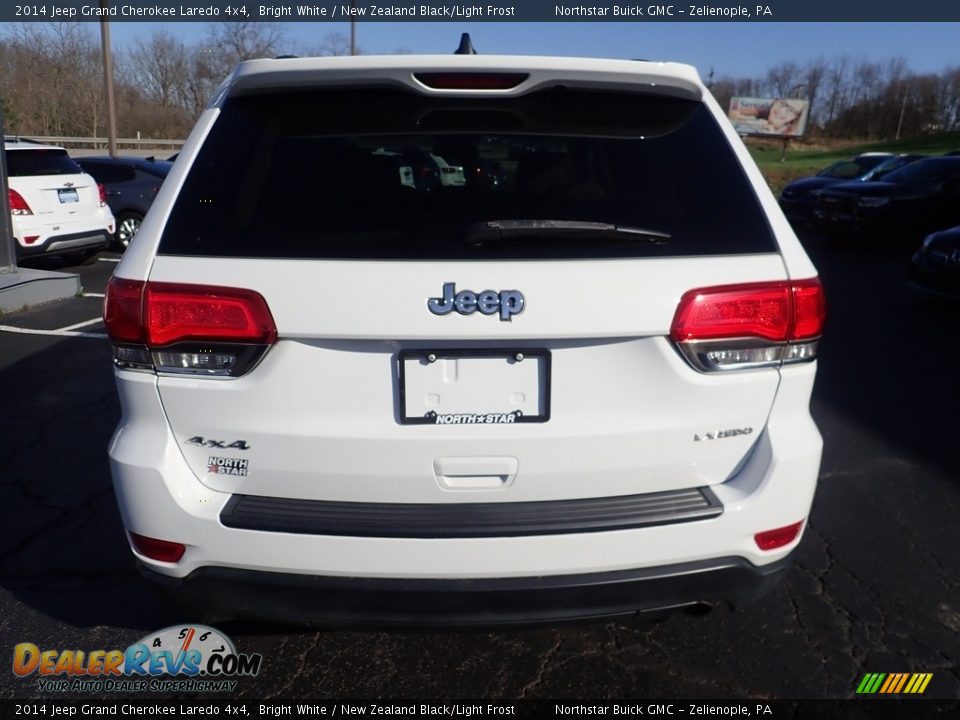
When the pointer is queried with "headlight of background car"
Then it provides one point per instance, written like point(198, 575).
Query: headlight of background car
point(873, 201)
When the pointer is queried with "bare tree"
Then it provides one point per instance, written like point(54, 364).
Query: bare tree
point(784, 79)
point(159, 68)
point(233, 42)
point(51, 77)
point(333, 44)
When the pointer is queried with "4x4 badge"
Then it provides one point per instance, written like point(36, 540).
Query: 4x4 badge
point(488, 302)
point(202, 442)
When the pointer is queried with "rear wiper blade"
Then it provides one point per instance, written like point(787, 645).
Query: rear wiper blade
point(499, 230)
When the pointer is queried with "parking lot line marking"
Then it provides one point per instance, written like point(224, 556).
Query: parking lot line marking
point(61, 333)
point(86, 294)
point(82, 324)
point(114, 260)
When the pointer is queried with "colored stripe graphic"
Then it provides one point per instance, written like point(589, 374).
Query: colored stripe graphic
point(892, 678)
point(894, 683)
point(870, 683)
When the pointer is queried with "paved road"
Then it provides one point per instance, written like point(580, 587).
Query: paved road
point(876, 585)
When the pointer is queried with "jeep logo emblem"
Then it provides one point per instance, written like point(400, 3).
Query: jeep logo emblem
point(488, 302)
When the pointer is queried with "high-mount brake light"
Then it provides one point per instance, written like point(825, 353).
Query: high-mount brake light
point(470, 80)
point(752, 325)
point(187, 329)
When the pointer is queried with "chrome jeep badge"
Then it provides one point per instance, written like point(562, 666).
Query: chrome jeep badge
point(488, 302)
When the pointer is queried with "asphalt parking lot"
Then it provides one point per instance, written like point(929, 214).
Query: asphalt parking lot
point(875, 587)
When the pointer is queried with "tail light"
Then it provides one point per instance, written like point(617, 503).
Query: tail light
point(103, 194)
point(739, 327)
point(162, 550)
point(778, 537)
point(187, 329)
point(18, 206)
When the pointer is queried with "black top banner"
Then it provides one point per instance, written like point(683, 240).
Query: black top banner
point(482, 11)
point(663, 709)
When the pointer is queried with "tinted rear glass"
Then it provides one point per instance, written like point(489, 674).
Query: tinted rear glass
point(156, 168)
point(926, 173)
point(104, 172)
point(389, 174)
point(40, 162)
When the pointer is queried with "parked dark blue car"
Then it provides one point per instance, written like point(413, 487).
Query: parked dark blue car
point(907, 204)
point(798, 198)
point(131, 184)
point(935, 267)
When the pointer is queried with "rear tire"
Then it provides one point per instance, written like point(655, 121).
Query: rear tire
point(128, 224)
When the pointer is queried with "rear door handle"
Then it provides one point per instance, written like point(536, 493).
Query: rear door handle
point(475, 473)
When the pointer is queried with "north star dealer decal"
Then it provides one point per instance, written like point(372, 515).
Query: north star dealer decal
point(227, 466)
point(473, 418)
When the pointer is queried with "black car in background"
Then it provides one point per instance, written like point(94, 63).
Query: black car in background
point(935, 267)
point(131, 185)
point(908, 203)
point(798, 198)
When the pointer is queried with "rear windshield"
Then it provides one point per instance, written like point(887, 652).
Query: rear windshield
point(21, 163)
point(849, 169)
point(926, 173)
point(380, 173)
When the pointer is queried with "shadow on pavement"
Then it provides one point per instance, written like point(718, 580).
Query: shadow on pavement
point(63, 552)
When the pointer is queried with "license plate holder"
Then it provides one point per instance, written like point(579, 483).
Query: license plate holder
point(68, 195)
point(474, 387)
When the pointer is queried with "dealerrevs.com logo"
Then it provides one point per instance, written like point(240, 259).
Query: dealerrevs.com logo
point(191, 658)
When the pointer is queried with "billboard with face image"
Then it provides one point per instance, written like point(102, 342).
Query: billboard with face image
point(779, 117)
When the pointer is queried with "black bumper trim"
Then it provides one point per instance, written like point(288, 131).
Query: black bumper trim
point(217, 593)
point(97, 239)
point(469, 520)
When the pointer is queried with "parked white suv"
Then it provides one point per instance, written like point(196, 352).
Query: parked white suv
point(581, 390)
point(57, 209)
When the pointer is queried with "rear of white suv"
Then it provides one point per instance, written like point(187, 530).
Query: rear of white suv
point(57, 209)
point(579, 391)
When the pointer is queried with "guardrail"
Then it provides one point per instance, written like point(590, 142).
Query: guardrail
point(100, 142)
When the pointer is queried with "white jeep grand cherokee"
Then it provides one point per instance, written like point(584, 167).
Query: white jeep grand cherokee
point(576, 385)
point(56, 208)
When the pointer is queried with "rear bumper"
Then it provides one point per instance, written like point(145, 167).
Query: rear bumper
point(217, 593)
point(73, 242)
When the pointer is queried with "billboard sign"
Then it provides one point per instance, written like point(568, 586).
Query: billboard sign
point(778, 117)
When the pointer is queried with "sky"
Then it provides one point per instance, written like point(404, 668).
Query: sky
point(731, 49)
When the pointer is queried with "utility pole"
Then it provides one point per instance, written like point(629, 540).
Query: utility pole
point(353, 28)
point(108, 80)
point(8, 251)
point(903, 110)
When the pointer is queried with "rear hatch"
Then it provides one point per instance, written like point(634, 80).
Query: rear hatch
point(53, 186)
point(507, 337)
